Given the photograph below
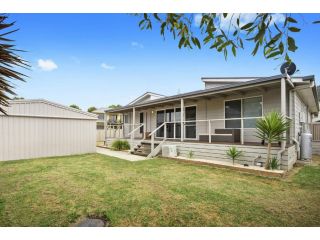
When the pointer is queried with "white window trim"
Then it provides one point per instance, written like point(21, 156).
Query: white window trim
point(174, 116)
point(242, 98)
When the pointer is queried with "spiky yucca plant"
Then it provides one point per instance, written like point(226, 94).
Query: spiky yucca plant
point(233, 153)
point(271, 128)
point(8, 61)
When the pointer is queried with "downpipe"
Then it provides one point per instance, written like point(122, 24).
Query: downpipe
point(297, 146)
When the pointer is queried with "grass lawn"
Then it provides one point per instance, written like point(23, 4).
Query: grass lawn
point(58, 191)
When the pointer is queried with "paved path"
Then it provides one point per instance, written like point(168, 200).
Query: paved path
point(119, 154)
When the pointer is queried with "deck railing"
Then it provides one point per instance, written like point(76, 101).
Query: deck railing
point(202, 127)
point(120, 130)
point(206, 125)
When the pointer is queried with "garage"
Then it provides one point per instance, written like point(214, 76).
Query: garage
point(40, 128)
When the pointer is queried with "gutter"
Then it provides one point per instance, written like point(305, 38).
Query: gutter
point(203, 93)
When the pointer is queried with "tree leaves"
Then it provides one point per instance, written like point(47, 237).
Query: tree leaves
point(196, 42)
point(248, 25)
point(294, 29)
point(261, 32)
point(292, 44)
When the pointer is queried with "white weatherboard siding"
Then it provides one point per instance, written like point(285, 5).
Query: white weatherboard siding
point(39, 128)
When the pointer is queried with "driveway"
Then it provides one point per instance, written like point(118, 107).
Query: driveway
point(120, 154)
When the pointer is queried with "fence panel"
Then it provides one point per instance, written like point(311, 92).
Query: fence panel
point(315, 132)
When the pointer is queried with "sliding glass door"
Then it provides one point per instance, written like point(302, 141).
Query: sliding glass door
point(177, 122)
point(173, 118)
point(233, 110)
point(160, 120)
point(190, 126)
point(246, 107)
point(170, 124)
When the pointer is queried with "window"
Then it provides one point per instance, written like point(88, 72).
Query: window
point(101, 116)
point(100, 125)
point(126, 118)
point(113, 118)
point(247, 107)
point(233, 110)
point(252, 107)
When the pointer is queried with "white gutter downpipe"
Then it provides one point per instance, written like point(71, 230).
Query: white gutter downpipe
point(297, 146)
point(182, 119)
point(283, 106)
point(133, 124)
point(284, 113)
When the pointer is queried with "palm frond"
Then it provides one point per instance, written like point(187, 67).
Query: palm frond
point(8, 61)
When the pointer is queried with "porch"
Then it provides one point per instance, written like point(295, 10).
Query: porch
point(214, 119)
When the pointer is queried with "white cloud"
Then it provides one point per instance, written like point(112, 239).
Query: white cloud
point(246, 18)
point(136, 45)
point(197, 19)
point(47, 65)
point(278, 18)
point(231, 20)
point(106, 66)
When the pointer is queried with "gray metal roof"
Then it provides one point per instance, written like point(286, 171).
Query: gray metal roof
point(201, 92)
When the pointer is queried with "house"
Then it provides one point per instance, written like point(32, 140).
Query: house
point(101, 112)
point(224, 113)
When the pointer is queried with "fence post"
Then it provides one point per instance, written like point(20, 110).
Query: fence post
point(209, 128)
point(152, 142)
point(165, 130)
point(242, 140)
point(132, 137)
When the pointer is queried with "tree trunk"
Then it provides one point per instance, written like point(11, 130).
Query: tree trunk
point(268, 155)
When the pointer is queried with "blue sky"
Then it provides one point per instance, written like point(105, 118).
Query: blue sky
point(103, 59)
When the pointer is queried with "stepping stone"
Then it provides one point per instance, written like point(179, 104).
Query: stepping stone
point(91, 222)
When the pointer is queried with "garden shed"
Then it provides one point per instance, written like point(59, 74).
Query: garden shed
point(40, 128)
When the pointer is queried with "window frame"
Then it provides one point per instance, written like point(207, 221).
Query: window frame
point(174, 117)
point(241, 99)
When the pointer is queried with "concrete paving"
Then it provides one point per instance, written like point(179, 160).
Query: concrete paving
point(120, 154)
point(91, 223)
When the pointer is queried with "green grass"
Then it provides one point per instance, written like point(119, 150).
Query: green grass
point(59, 191)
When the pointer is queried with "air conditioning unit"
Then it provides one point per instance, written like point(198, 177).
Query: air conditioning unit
point(169, 151)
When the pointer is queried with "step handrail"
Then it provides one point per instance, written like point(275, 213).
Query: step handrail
point(154, 131)
point(156, 150)
point(135, 129)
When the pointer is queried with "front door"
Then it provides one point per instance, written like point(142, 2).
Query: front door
point(141, 122)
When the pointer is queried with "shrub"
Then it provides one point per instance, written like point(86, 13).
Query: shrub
point(190, 154)
point(233, 153)
point(274, 164)
point(125, 145)
point(120, 145)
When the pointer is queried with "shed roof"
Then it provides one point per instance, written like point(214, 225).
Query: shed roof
point(45, 108)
